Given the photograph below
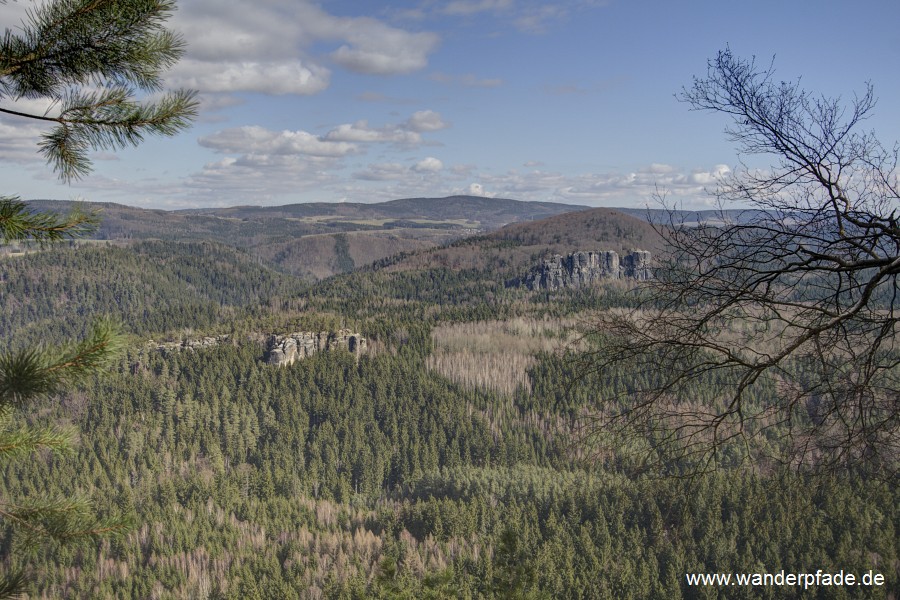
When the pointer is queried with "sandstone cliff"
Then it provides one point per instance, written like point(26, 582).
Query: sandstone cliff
point(283, 350)
point(581, 269)
point(189, 344)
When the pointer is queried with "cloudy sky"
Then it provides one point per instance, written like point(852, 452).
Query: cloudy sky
point(570, 101)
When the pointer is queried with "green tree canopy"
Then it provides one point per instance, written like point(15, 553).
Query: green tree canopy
point(88, 59)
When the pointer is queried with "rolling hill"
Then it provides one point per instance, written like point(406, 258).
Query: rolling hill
point(466, 211)
point(516, 247)
point(319, 239)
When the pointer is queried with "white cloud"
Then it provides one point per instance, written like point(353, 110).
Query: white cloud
point(659, 169)
point(476, 189)
point(258, 179)
point(269, 77)
point(383, 172)
point(428, 165)
point(407, 133)
point(363, 133)
point(465, 80)
point(341, 141)
point(258, 140)
point(527, 16)
point(217, 102)
point(277, 48)
point(279, 166)
point(377, 49)
point(213, 105)
point(20, 136)
point(463, 171)
point(426, 120)
point(634, 188)
point(471, 7)
point(709, 178)
point(19, 140)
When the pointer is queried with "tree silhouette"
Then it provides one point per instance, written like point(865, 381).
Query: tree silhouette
point(787, 307)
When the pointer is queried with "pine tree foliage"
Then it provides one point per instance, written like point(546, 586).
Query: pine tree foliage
point(379, 477)
point(88, 59)
point(30, 374)
point(386, 475)
point(18, 224)
point(112, 47)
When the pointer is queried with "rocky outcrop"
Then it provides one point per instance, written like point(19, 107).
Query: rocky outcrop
point(188, 344)
point(581, 269)
point(636, 265)
point(282, 349)
point(285, 349)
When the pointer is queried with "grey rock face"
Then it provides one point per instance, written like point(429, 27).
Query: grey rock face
point(280, 349)
point(637, 265)
point(189, 344)
point(581, 269)
point(284, 350)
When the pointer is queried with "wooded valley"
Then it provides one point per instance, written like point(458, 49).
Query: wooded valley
point(444, 462)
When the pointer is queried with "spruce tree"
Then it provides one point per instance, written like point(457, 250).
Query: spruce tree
point(88, 59)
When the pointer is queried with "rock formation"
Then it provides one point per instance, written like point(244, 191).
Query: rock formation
point(636, 265)
point(283, 350)
point(280, 349)
point(189, 344)
point(581, 269)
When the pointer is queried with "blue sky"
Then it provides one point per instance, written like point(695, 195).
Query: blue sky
point(566, 101)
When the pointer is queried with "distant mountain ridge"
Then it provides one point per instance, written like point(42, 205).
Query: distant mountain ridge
point(317, 240)
point(518, 247)
point(491, 213)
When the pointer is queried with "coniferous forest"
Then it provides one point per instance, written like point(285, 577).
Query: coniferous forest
point(443, 462)
point(466, 397)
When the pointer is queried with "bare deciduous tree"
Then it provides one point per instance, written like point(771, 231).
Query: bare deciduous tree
point(786, 309)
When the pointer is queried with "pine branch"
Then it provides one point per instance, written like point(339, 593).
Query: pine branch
point(95, 353)
point(113, 45)
point(12, 585)
point(24, 441)
point(24, 376)
point(32, 373)
point(63, 520)
point(89, 42)
point(18, 223)
point(110, 120)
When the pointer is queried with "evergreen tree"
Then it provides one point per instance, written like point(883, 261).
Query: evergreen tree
point(88, 58)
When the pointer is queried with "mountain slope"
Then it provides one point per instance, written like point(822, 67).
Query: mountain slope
point(151, 287)
point(476, 211)
point(308, 239)
point(518, 246)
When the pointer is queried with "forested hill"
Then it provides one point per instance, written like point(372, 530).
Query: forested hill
point(487, 213)
point(443, 463)
point(252, 225)
point(518, 246)
point(150, 287)
point(318, 240)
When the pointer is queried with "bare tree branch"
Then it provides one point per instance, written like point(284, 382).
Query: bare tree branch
point(787, 309)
